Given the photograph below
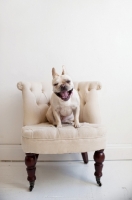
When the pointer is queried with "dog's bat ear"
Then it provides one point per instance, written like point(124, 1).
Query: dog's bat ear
point(63, 70)
point(54, 73)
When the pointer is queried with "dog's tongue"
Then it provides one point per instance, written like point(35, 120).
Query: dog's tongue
point(64, 94)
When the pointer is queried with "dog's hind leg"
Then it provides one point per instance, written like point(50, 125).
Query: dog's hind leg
point(50, 117)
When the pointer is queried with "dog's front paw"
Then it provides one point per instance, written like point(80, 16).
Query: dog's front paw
point(59, 126)
point(76, 124)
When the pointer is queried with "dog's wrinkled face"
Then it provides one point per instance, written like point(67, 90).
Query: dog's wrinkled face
point(62, 85)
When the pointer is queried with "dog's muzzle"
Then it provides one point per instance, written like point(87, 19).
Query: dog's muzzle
point(64, 94)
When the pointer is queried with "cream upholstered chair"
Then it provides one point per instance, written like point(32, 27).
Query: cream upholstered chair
point(40, 137)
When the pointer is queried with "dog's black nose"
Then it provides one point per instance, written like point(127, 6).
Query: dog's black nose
point(63, 88)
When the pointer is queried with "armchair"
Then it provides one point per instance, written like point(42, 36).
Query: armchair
point(40, 137)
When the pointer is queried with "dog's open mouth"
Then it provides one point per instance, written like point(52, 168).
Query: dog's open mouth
point(64, 95)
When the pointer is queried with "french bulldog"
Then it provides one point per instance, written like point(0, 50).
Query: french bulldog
point(64, 102)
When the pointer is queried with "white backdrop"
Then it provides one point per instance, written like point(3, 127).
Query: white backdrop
point(93, 39)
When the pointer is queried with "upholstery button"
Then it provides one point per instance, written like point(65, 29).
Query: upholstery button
point(37, 102)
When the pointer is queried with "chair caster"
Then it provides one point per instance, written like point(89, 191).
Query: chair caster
point(98, 181)
point(31, 186)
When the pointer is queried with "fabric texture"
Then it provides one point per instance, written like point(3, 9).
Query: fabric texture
point(38, 136)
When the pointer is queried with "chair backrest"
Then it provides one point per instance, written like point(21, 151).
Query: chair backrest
point(36, 97)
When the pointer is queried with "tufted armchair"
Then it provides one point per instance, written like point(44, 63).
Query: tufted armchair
point(40, 137)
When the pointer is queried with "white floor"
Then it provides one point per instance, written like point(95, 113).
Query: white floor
point(66, 181)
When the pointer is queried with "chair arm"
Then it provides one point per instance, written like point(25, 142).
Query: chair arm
point(88, 92)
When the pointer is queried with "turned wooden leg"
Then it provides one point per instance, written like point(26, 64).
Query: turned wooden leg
point(85, 157)
point(99, 158)
point(30, 161)
point(37, 155)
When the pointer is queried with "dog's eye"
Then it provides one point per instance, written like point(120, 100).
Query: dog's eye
point(55, 84)
point(68, 81)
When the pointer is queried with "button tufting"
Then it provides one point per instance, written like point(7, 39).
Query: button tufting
point(37, 102)
point(89, 89)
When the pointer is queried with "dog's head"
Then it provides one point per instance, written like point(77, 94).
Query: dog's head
point(62, 85)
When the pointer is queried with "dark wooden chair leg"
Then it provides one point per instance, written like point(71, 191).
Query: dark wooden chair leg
point(99, 158)
point(37, 155)
point(30, 161)
point(85, 157)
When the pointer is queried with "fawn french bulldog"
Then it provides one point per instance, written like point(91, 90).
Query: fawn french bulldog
point(64, 102)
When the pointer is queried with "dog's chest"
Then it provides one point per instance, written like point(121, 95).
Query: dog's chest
point(65, 111)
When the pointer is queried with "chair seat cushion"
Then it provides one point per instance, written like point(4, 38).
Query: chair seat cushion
point(46, 131)
point(45, 137)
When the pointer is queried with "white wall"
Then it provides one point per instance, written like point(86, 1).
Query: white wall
point(93, 39)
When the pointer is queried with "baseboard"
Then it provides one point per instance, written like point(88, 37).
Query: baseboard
point(112, 152)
